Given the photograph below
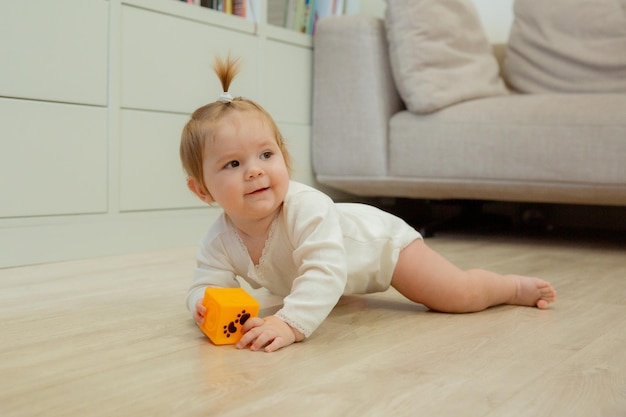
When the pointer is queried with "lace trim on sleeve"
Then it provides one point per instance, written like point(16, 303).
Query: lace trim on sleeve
point(293, 324)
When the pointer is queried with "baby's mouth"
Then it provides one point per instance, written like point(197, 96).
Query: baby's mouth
point(259, 190)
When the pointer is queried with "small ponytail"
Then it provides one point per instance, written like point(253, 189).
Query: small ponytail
point(226, 70)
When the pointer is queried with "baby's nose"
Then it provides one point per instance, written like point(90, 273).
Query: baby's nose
point(254, 172)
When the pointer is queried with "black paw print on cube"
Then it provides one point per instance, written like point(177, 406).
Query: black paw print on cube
point(241, 319)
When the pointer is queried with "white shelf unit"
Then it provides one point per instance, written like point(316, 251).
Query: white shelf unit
point(93, 96)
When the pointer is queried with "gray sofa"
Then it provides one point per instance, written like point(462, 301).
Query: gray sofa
point(550, 148)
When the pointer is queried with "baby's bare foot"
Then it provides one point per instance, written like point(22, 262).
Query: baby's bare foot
point(533, 292)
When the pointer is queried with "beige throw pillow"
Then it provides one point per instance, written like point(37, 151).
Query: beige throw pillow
point(439, 53)
point(571, 46)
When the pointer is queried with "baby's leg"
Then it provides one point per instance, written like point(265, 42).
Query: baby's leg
point(424, 276)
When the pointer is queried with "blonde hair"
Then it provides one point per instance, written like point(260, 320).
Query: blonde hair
point(201, 126)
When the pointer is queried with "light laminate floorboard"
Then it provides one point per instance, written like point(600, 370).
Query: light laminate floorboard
point(111, 337)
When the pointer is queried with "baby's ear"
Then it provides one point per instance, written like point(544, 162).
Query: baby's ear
point(199, 190)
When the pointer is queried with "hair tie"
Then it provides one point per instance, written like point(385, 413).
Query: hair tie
point(225, 97)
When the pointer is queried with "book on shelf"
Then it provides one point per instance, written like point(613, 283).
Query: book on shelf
point(298, 15)
point(248, 9)
point(302, 15)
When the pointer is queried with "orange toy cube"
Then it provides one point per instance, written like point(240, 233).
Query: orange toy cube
point(227, 310)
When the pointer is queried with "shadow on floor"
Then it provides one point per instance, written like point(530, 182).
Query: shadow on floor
point(562, 223)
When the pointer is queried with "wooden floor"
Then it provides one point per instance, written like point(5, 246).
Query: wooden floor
point(111, 337)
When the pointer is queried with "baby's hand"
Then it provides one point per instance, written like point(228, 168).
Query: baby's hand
point(271, 332)
point(200, 312)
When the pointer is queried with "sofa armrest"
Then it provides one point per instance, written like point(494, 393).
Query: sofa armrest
point(354, 97)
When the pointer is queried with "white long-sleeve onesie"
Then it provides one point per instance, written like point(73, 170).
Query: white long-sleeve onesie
point(316, 251)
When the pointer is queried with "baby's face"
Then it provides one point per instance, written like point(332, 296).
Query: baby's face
point(244, 169)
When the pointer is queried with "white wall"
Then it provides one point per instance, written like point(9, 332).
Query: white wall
point(368, 7)
point(496, 15)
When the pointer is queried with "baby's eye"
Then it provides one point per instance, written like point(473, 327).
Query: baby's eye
point(266, 155)
point(232, 164)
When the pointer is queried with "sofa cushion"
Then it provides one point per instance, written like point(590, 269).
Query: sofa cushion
point(439, 53)
point(568, 139)
point(572, 46)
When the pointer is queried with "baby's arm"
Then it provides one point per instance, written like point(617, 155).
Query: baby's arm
point(213, 269)
point(314, 228)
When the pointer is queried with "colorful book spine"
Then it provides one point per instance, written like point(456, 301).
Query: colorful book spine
point(248, 9)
